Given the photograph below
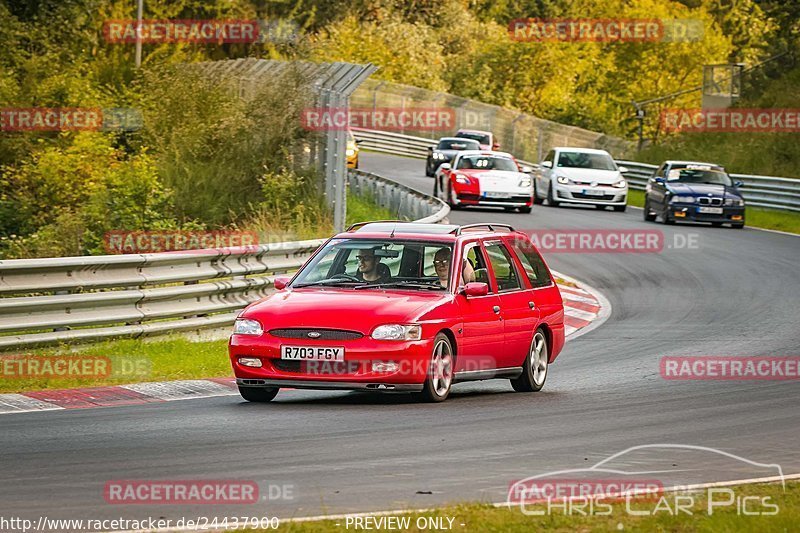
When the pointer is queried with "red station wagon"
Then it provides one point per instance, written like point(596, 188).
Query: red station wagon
point(404, 307)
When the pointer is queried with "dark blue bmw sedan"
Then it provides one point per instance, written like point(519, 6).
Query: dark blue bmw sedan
point(699, 192)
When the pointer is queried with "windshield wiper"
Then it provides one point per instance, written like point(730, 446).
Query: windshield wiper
point(330, 281)
point(403, 285)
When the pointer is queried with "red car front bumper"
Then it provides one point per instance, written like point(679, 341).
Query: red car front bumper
point(411, 360)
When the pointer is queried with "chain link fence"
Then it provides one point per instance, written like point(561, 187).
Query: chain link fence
point(526, 136)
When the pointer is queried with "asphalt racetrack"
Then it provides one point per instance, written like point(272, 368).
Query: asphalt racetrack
point(735, 292)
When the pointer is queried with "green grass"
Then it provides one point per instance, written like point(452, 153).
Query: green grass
point(756, 217)
point(486, 518)
point(128, 361)
point(363, 208)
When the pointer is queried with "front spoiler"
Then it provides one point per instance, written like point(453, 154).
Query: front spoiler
point(329, 385)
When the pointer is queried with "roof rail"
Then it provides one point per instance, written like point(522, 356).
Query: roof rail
point(361, 224)
point(459, 230)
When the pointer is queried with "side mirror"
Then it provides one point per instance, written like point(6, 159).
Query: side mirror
point(546, 164)
point(476, 288)
point(495, 145)
point(738, 184)
point(662, 181)
point(445, 166)
point(359, 141)
point(281, 282)
point(432, 148)
point(526, 169)
point(623, 169)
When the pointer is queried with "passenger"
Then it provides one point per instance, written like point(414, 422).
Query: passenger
point(441, 263)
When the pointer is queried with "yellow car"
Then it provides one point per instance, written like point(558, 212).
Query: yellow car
point(351, 151)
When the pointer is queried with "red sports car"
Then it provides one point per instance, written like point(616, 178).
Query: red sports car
point(404, 307)
point(484, 178)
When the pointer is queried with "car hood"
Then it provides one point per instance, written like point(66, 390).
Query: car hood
point(603, 177)
point(702, 189)
point(359, 310)
point(494, 175)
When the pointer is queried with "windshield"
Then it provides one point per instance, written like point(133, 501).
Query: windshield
point(465, 144)
point(585, 160)
point(483, 162)
point(698, 174)
point(360, 263)
point(480, 137)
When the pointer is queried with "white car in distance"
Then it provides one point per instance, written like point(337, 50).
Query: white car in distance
point(581, 176)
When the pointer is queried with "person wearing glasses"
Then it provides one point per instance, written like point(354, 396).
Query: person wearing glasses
point(441, 264)
point(370, 267)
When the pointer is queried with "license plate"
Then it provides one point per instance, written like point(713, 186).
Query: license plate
point(594, 192)
point(497, 195)
point(312, 353)
point(710, 210)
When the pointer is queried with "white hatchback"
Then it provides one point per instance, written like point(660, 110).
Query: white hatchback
point(580, 176)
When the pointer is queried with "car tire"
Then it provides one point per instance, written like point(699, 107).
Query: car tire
point(665, 217)
point(258, 394)
point(600, 207)
point(509, 209)
point(534, 369)
point(440, 371)
point(551, 197)
point(648, 215)
point(737, 226)
point(716, 224)
point(536, 199)
point(428, 171)
point(525, 209)
point(620, 208)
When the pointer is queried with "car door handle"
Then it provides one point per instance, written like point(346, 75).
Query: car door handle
point(496, 308)
point(532, 305)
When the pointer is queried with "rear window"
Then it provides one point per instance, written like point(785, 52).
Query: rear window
point(480, 137)
point(532, 263)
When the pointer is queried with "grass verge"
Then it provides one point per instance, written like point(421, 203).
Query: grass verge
point(756, 217)
point(660, 515)
point(120, 362)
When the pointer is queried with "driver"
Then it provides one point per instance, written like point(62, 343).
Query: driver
point(370, 268)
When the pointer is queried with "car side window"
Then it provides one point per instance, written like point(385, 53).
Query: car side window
point(532, 263)
point(505, 273)
point(474, 266)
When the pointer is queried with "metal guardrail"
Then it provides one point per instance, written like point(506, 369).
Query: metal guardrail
point(70, 299)
point(759, 191)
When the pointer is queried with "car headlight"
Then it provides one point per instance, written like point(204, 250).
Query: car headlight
point(349, 152)
point(246, 326)
point(524, 182)
point(734, 201)
point(621, 184)
point(683, 199)
point(563, 180)
point(397, 332)
point(437, 155)
point(462, 179)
